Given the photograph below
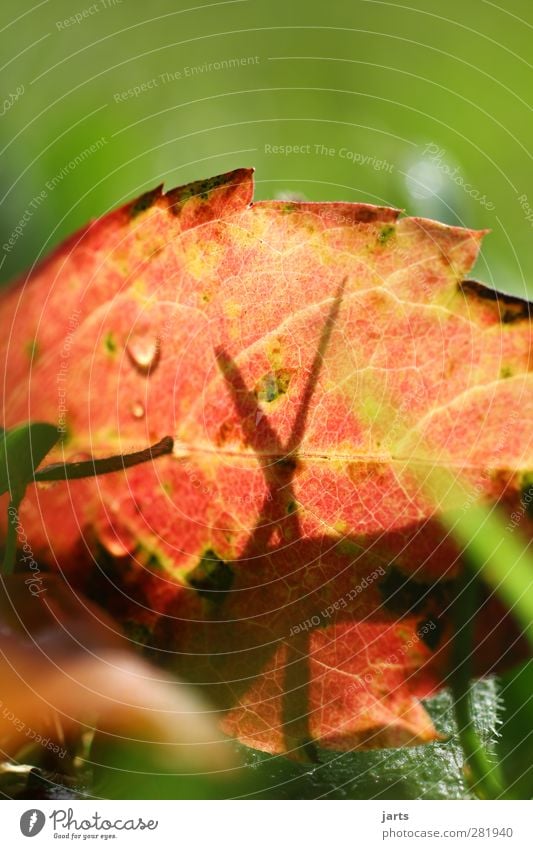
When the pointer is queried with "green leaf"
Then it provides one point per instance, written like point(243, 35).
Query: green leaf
point(483, 773)
point(433, 771)
point(22, 450)
point(127, 770)
point(516, 733)
point(502, 560)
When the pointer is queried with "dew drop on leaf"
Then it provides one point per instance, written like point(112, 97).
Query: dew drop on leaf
point(116, 541)
point(144, 351)
point(137, 410)
point(78, 457)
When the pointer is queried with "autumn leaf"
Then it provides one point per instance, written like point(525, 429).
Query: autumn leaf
point(285, 557)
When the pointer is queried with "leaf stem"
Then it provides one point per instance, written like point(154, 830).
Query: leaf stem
point(501, 560)
point(104, 466)
point(485, 777)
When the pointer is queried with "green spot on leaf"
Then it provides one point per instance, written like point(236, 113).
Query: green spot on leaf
point(110, 343)
point(32, 350)
point(273, 385)
point(212, 578)
point(385, 234)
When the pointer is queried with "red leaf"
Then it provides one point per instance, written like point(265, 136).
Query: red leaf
point(284, 555)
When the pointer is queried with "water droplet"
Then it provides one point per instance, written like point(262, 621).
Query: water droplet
point(144, 352)
point(116, 540)
point(181, 449)
point(78, 457)
point(137, 410)
point(44, 485)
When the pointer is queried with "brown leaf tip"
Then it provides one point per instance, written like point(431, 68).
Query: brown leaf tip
point(145, 201)
point(239, 182)
point(509, 308)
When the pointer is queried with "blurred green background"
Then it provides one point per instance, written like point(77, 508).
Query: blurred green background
point(405, 104)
